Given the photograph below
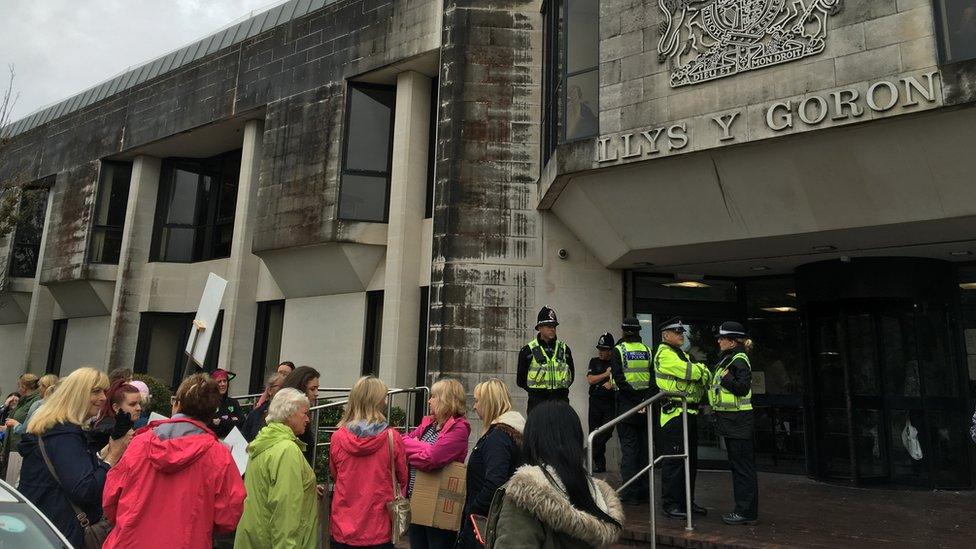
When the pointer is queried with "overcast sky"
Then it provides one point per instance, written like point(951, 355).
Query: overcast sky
point(61, 47)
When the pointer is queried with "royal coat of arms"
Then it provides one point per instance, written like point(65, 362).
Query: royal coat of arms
point(708, 39)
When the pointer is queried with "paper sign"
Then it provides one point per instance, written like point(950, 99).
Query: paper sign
point(237, 444)
point(199, 341)
point(153, 416)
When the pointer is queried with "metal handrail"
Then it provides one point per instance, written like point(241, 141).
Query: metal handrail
point(412, 391)
point(651, 460)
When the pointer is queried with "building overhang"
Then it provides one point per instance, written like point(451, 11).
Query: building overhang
point(885, 184)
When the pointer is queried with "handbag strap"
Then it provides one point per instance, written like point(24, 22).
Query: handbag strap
point(396, 485)
point(80, 515)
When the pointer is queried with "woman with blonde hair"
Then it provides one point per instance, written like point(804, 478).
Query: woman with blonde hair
point(360, 462)
point(441, 438)
point(61, 475)
point(495, 456)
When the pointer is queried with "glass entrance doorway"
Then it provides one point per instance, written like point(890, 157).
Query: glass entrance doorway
point(887, 390)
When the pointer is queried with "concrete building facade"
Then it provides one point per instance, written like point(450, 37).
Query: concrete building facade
point(397, 186)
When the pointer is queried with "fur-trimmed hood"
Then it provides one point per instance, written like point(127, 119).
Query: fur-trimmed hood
point(530, 489)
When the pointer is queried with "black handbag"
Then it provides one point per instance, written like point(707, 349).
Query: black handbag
point(95, 534)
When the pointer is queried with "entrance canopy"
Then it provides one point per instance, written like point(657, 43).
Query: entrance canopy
point(885, 187)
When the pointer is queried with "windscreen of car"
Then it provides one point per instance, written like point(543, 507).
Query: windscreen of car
point(21, 527)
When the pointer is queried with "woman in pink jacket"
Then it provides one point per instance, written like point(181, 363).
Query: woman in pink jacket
point(441, 438)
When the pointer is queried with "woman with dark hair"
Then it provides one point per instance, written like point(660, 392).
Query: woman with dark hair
point(551, 501)
point(229, 413)
point(123, 405)
point(306, 380)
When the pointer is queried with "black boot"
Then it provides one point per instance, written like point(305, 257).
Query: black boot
point(736, 519)
point(675, 512)
point(698, 509)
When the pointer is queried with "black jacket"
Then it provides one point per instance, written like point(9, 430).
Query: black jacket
point(80, 471)
point(627, 396)
point(737, 381)
point(522, 374)
point(254, 421)
point(493, 460)
point(230, 415)
point(597, 390)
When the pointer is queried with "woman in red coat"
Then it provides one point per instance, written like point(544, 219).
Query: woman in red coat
point(441, 438)
point(359, 460)
point(176, 483)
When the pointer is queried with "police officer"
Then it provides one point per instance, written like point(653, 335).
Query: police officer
point(630, 363)
point(545, 364)
point(674, 372)
point(602, 401)
point(730, 396)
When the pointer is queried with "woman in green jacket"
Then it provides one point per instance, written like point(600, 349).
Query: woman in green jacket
point(280, 509)
point(551, 502)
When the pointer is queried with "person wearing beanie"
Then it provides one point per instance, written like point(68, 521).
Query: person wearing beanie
point(545, 364)
point(602, 399)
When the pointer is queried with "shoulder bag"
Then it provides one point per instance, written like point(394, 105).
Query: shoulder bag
point(95, 534)
point(399, 508)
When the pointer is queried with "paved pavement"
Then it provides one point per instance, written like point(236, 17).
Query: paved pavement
point(798, 512)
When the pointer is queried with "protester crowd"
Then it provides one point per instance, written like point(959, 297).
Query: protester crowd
point(107, 477)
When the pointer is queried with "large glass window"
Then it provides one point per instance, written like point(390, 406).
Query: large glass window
point(267, 342)
point(27, 234)
point(365, 189)
point(109, 215)
point(162, 340)
point(956, 28)
point(195, 208)
point(571, 103)
point(56, 351)
point(374, 333)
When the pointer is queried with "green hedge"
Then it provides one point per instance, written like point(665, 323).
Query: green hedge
point(160, 394)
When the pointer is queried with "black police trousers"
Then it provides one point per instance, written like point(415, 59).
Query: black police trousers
point(633, 457)
point(673, 470)
point(745, 483)
point(602, 410)
point(539, 398)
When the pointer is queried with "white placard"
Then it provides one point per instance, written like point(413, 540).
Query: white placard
point(153, 416)
point(199, 341)
point(237, 444)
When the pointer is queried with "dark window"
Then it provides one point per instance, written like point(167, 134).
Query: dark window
point(552, 80)
point(56, 350)
point(956, 29)
point(109, 215)
point(195, 208)
point(267, 342)
point(374, 333)
point(365, 189)
point(432, 149)
point(582, 53)
point(28, 232)
point(162, 340)
point(422, 346)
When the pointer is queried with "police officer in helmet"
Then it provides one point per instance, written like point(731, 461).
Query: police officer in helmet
point(630, 363)
point(674, 372)
point(545, 364)
point(730, 396)
point(602, 401)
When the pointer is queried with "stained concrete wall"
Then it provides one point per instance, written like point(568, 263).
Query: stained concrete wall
point(12, 338)
point(326, 332)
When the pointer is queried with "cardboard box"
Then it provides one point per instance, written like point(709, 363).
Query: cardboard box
point(438, 498)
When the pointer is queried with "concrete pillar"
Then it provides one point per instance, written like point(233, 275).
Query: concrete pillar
point(401, 292)
point(39, 316)
point(240, 305)
point(130, 283)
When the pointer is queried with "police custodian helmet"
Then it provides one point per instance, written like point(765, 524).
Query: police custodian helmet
point(547, 316)
point(605, 341)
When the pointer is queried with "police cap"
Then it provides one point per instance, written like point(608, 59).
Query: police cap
point(631, 324)
point(673, 325)
point(731, 330)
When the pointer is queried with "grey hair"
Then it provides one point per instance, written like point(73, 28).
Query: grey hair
point(286, 403)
